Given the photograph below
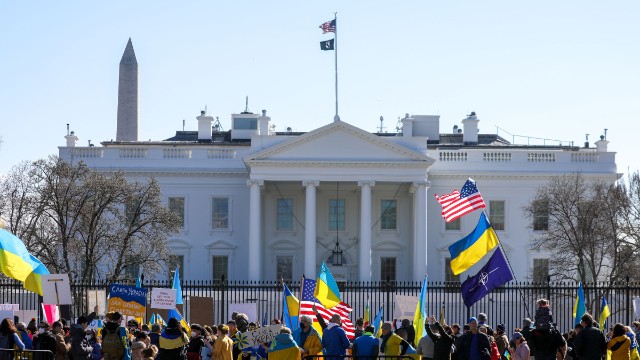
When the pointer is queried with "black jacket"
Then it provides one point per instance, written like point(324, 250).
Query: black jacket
point(80, 348)
point(590, 344)
point(545, 343)
point(441, 343)
point(463, 346)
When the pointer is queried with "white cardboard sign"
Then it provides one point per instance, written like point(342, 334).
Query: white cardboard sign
point(405, 307)
point(56, 289)
point(251, 309)
point(97, 297)
point(163, 298)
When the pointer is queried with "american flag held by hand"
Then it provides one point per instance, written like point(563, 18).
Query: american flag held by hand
point(329, 26)
point(306, 308)
point(458, 204)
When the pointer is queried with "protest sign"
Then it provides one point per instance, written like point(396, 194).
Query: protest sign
point(97, 297)
point(251, 309)
point(163, 298)
point(258, 336)
point(201, 310)
point(128, 300)
point(56, 289)
point(405, 307)
point(8, 310)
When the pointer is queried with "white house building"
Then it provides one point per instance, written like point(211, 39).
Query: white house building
point(258, 205)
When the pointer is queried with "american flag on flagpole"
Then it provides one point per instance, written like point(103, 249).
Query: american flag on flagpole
point(329, 26)
point(306, 308)
point(458, 204)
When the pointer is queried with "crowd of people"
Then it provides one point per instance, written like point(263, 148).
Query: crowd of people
point(475, 340)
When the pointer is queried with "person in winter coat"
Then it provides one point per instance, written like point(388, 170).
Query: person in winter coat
point(473, 341)
point(62, 348)
point(44, 340)
point(620, 344)
point(521, 350)
point(80, 348)
point(495, 353)
point(546, 342)
point(223, 346)
point(334, 338)
point(173, 342)
point(502, 341)
point(24, 335)
point(94, 342)
point(115, 344)
point(140, 343)
point(590, 343)
point(442, 341)
point(9, 338)
point(366, 346)
point(196, 343)
point(392, 344)
point(307, 337)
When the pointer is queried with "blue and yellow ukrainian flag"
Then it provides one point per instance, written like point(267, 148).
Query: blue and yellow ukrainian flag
point(326, 290)
point(420, 315)
point(291, 307)
point(579, 307)
point(176, 285)
point(174, 313)
point(377, 323)
point(473, 247)
point(605, 312)
point(284, 350)
point(17, 263)
point(160, 320)
point(367, 315)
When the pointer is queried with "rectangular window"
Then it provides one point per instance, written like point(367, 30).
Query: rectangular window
point(448, 274)
point(176, 261)
point(541, 216)
point(496, 214)
point(336, 214)
point(285, 214)
point(388, 268)
point(245, 124)
point(389, 212)
point(454, 225)
point(220, 213)
point(132, 211)
point(220, 267)
point(176, 205)
point(284, 268)
point(540, 270)
point(131, 271)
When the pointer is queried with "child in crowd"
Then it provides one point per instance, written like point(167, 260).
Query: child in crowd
point(543, 318)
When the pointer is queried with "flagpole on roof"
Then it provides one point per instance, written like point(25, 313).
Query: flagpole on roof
point(337, 117)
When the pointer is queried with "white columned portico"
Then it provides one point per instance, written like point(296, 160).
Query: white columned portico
point(364, 258)
point(310, 228)
point(255, 243)
point(420, 229)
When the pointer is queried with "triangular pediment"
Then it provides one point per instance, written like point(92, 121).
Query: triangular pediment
point(339, 142)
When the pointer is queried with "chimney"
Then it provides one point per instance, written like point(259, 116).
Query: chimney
point(407, 126)
point(470, 129)
point(601, 145)
point(204, 127)
point(263, 123)
point(71, 139)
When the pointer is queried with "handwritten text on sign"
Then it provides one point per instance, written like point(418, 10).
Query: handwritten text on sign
point(162, 298)
point(259, 336)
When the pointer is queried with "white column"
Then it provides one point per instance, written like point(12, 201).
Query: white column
point(364, 259)
point(420, 230)
point(310, 228)
point(254, 263)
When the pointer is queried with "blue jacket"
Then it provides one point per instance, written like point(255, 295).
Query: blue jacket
point(334, 340)
point(366, 347)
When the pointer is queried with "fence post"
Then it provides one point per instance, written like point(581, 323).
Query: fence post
point(388, 288)
point(222, 300)
point(628, 302)
point(548, 287)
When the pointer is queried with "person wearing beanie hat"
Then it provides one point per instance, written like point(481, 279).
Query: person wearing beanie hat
point(473, 345)
point(502, 341)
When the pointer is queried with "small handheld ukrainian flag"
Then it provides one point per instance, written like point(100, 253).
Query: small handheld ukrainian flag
point(604, 313)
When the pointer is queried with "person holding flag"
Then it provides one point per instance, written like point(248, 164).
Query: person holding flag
point(442, 341)
point(307, 337)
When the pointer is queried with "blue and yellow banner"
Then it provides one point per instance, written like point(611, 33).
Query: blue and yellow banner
point(128, 300)
point(473, 247)
point(291, 307)
point(17, 263)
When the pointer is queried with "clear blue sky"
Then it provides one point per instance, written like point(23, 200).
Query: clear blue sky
point(548, 69)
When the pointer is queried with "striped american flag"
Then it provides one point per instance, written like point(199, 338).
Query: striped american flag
point(306, 308)
point(458, 204)
point(329, 26)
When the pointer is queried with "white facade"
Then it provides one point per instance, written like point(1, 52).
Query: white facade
point(251, 207)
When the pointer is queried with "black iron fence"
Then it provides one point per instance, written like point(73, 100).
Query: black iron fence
point(508, 305)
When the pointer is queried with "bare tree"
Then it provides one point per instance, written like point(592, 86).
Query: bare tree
point(85, 223)
point(580, 226)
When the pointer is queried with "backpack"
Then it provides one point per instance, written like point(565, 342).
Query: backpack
point(112, 347)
